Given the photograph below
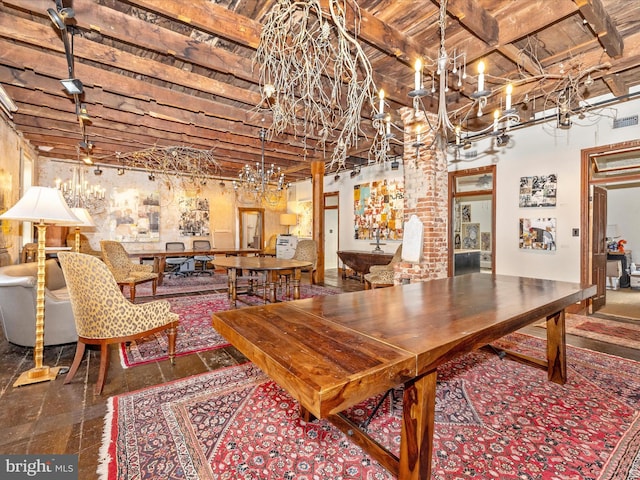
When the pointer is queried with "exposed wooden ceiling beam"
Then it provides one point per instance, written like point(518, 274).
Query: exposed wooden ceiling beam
point(617, 86)
point(600, 22)
point(476, 19)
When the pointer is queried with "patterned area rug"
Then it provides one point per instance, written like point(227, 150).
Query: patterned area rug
point(610, 331)
point(195, 333)
point(176, 285)
point(494, 419)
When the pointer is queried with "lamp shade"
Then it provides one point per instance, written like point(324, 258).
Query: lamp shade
point(288, 219)
point(85, 218)
point(42, 205)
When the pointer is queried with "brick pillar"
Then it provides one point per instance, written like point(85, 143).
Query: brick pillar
point(427, 197)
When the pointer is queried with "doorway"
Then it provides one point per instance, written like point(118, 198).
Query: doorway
point(472, 221)
point(331, 236)
point(251, 227)
point(608, 218)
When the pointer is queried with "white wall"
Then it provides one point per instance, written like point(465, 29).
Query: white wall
point(302, 192)
point(623, 210)
point(542, 150)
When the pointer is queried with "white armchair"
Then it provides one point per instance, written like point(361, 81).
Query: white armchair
point(18, 305)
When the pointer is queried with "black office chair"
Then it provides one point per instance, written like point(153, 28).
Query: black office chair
point(178, 266)
point(203, 260)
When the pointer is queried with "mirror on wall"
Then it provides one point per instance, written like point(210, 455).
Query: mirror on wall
point(251, 227)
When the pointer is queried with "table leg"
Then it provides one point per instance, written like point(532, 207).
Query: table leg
point(297, 274)
point(162, 264)
point(272, 277)
point(556, 348)
point(233, 294)
point(418, 420)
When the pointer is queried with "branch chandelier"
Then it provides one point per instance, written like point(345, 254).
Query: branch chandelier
point(258, 184)
point(316, 80)
point(185, 167)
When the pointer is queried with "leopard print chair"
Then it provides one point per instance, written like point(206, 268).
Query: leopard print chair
point(124, 270)
point(103, 316)
point(382, 275)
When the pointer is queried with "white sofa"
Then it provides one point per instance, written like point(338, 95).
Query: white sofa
point(18, 305)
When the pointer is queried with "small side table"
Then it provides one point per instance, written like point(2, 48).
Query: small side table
point(634, 278)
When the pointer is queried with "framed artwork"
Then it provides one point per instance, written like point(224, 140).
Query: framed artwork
point(465, 212)
point(538, 191)
point(194, 217)
point(134, 215)
point(305, 219)
point(538, 234)
point(485, 241)
point(471, 236)
point(379, 207)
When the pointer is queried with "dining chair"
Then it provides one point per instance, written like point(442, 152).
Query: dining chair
point(124, 270)
point(178, 266)
point(103, 316)
point(306, 251)
point(382, 275)
point(203, 260)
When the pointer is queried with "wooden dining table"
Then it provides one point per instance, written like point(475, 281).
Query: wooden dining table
point(333, 352)
point(160, 257)
point(272, 267)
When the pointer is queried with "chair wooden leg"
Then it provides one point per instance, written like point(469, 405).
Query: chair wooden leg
point(171, 334)
point(132, 292)
point(367, 285)
point(104, 364)
point(77, 359)
point(154, 286)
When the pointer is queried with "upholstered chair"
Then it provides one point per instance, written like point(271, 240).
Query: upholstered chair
point(124, 270)
point(382, 275)
point(103, 316)
point(85, 245)
point(270, 249)
point(306, 251)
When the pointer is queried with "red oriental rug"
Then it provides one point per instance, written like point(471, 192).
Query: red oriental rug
point(195, 333)
point(494, 419)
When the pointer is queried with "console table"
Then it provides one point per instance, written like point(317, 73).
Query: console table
point(360, 261)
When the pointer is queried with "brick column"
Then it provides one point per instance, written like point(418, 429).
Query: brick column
point(426, 196)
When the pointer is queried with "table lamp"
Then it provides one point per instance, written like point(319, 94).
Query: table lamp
point(288, 219)
point(85, 221)
point(43, 206)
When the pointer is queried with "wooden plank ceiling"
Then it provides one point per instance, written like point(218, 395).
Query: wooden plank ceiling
point(161, 73)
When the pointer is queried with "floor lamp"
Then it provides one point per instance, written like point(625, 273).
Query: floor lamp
point(43, 206)
point(85, 221)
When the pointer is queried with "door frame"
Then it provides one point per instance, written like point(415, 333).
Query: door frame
point(453, 195)
point(260, 213)
point(586, 227)
point(332, 207)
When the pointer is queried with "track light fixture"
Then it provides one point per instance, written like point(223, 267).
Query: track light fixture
point(152, 177)
point(97, 171)
point(87, 159)
point(72, 86)
point(59, 17)
point(120, 170)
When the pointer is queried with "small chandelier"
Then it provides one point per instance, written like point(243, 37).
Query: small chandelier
point(258, 184)
point(79, 194)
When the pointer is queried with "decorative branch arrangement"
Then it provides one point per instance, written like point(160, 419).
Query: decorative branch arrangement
point(184, 166)
point(314, 75)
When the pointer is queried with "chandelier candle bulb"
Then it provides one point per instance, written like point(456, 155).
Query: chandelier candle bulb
point(381, 96)
point(388, 122)
point(418, 79)
point(496, 115)
point(507, 103)
point(481, 76)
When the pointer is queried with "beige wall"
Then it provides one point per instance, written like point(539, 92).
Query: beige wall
point(222, 202)
point(13, 149)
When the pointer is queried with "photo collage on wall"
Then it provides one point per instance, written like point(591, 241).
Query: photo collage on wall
point(538, 233)
point(134, 215)
point(379, 210)
point(194, 217)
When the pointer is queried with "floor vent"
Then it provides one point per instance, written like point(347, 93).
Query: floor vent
point(625, 122)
